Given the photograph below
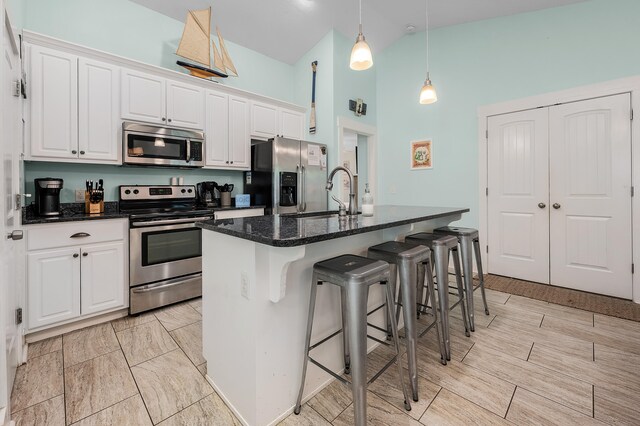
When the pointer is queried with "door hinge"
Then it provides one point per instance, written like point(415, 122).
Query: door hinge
point(487, 248)
point(632, 115)
point(486, 191)
point(633, 268)
point(19, 316)
point(16, 88)
point(486, 134)
point(632, 191)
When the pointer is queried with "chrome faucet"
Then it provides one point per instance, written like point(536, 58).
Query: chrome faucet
point(342, 210)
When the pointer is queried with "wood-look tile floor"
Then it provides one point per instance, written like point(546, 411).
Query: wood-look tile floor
point(528, 362)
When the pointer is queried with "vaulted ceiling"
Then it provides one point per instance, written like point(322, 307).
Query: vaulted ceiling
point(286, 29)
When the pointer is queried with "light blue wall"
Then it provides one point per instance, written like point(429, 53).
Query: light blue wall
point(128, 29)
point(16, 9)
point(481, 63)
point(75, 175)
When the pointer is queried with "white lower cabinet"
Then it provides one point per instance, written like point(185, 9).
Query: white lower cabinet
point(69, 280)
point(53, 286)
point(102, 277)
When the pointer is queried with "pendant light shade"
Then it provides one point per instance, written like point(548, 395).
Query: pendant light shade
point(361, 58)
point(428, 92)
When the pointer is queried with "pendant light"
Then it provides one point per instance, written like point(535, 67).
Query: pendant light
point(361, 58)
point(428, 92)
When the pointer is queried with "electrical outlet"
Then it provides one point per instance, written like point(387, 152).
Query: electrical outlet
point(79, 195)
point(245, 290)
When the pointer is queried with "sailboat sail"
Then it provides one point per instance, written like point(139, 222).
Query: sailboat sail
point(217, 59)
point(194, 43)
point(226, 59)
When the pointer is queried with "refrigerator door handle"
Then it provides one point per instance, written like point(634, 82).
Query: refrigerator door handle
point(304, 188)
point(299, 188)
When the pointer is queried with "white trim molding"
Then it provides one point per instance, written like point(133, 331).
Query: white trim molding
point(625, 85)
point(370, 132)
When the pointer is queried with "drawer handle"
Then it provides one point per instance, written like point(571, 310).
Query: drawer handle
point(80, 235)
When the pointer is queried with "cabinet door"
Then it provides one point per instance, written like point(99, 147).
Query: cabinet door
point(54, 103)
point(291, 124)
point(185, 105)
point(102, 277)
point(143, 97)
point(264, 120)
point(239, 138)
point(217, 129)
point(53, 286)
point(98, 112)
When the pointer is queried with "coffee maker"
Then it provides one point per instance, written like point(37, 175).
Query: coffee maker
point(47, 200)
point(206, 194)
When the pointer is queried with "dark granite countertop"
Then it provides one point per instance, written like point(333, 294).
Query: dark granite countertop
point(72, 212)
point(297, 230)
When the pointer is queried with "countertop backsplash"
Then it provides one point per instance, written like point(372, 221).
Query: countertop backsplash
point(75, 175)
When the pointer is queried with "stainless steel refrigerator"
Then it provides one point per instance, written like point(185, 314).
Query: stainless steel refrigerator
point(287, 176)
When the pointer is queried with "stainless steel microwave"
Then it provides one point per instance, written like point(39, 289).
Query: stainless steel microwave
point(146, 144)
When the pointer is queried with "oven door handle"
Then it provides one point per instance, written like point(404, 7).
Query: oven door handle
point(171, 283)
point(170, 221)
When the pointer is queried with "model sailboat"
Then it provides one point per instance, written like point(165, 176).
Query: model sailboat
point(194, 45)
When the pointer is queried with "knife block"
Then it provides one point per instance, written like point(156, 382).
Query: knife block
point(92, 208)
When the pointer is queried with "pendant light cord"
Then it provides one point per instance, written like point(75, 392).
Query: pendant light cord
point(360, 18)
point(427, 33)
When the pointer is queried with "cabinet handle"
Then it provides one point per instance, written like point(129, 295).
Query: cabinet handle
point(556, 206)
point(542, 205)
point(85, 254)
point(74, 152)
point(164, 119)
point(169, 120)
point(232, 162)
point(81, 152)
point(80, 235)
point(227, 161)
point(75, 255)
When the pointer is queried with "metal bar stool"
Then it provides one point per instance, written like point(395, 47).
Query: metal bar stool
point(441, 246)
point(354, 275)
point(469, 240)
point(409, 260)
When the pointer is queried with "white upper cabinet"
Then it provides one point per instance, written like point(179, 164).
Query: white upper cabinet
point(185, 105)
point(54, 103)
point(264, 120)
point(291, 123)
point(99, 111)
point(239, 138)
point(228, 144)
point(268, 121)
point(217, 129)
point(154, 99)
point(144, 97)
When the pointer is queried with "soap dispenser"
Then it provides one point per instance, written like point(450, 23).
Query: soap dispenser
point(367, 202)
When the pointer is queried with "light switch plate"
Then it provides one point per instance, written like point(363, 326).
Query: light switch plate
point(79, 195)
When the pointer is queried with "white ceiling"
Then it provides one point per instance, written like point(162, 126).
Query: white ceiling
point(286, 29)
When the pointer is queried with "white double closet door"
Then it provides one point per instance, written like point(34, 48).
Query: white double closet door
point(559, 195)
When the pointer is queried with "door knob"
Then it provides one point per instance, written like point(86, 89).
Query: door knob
point(15, 235)
point(542, 205)
point(556, 206)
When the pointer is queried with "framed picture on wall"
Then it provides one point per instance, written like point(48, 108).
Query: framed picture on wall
point(421, 154)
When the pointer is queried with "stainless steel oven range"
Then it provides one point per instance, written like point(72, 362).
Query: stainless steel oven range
point(165, 246)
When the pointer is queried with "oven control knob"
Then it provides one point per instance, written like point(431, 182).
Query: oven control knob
point(183, 190)
point(127, 191)
point(135, 191)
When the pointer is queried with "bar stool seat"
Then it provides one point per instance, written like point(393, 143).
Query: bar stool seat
point(469, 241)
point(354, 275)
point(410, 261)
point(441, 246)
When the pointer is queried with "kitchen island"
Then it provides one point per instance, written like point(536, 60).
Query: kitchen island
point(256, 283)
